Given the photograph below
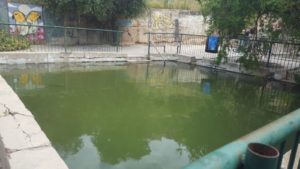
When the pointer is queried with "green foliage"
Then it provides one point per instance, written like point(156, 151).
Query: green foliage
point(174, 4)
point(252, 50)
point(101, 10)
point(9, 42)
point(271, 18)
point(267, 19)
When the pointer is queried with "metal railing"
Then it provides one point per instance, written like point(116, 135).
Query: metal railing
point(66, 39)
point(231, 156)
point(179, 44)
point(279, 57)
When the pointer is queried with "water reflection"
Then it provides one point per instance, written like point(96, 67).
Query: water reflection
point(269, 95)
point(163, 154)
point(147, 115)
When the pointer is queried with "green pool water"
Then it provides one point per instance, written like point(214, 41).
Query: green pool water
point(144, 116)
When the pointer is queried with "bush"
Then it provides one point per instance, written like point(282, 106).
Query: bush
point(10, 42)
point(192, 5)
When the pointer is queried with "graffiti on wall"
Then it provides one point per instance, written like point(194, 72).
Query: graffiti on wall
point(29, 17)
point(160, 21)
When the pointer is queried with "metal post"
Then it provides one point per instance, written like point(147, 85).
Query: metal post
point(294, 151)
point(118, 41)
point(281, 149)
point(65, 45)
point(149, 45)
point(269, 54)
point(180, 43)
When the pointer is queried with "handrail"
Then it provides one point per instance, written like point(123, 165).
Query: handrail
point(64, 27)
point(106, 40)
point(167, 33)
point(258, 40)
point(231, 155)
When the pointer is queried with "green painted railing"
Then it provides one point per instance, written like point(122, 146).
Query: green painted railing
point(231, 156)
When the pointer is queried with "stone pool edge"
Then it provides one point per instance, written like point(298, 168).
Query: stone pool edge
point(10, 58)
point(25, 145)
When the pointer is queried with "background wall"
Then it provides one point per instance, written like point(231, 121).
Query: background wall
point(3, 11)
point(161, 20)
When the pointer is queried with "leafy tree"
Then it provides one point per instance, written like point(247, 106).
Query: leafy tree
point(273, 18)
point(98, 10)
point(267, 19)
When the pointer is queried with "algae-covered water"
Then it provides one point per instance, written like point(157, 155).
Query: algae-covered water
point(144, 116)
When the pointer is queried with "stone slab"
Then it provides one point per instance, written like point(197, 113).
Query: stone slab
point(24, 142)
point(40, 158)
point(58, 57)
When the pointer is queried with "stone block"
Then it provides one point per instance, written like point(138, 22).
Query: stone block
point(39, 158)
point(186, 59)
point(19, 132)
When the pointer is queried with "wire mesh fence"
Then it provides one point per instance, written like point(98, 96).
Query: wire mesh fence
point(65, 39)
point(178, 44)
point(279, 57)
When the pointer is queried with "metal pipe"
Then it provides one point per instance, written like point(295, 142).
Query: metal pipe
point(166, 33)
point(231, 155)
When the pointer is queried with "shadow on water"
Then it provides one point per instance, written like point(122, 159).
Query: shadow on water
point(145, 115)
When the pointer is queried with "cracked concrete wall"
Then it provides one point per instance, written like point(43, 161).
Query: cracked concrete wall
point(26, 145)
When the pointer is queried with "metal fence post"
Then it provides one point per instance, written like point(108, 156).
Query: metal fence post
point(269, 54)
point(294, 151)
point(149, 45)
point(180, 43)
point(65, 45)
point(281, 150)
point(118, 41)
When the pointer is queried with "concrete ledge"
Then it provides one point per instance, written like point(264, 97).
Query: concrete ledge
point(26, 145)
point(57, 57)
point(93, 57)
point(164, 57)
point(233, 67)
point(3, 157)
point(187, 59)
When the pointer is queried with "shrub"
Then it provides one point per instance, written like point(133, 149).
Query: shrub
point(10, 42)
point(192, 5)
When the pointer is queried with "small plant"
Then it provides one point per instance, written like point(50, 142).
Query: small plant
point(10, 42)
